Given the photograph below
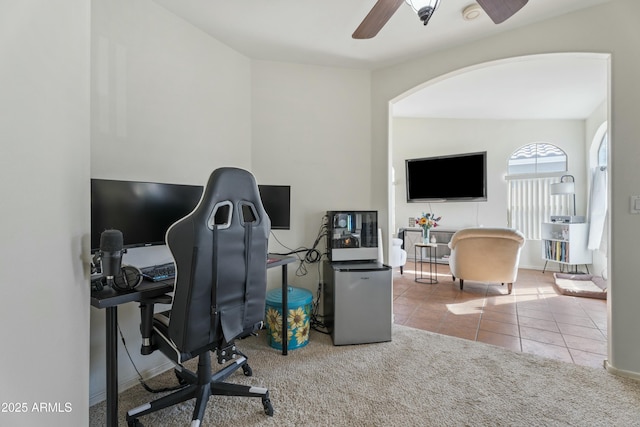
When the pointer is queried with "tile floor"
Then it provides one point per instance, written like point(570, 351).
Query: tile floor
point(533, 319)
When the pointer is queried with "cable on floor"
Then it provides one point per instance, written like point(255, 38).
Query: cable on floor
point(140, 378)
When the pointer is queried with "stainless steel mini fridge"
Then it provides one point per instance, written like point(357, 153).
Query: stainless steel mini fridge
point(358, 302)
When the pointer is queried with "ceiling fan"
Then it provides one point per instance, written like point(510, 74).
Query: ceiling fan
point(498, 10)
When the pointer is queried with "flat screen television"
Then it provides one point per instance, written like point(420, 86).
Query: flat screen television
point(276, 200)
point(456, 178)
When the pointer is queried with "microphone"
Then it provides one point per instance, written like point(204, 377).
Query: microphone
point(111, 242)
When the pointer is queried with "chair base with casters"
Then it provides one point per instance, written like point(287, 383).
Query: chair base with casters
point(198, 385)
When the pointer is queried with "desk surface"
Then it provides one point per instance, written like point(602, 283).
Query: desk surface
point(274, 260)
point(109, 297)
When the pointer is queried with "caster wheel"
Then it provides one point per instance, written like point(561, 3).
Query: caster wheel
point(247, 370)
point(181, 380)
point(134, 423)
point(268, 408)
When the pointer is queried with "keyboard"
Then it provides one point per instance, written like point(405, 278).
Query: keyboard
point(159, 272)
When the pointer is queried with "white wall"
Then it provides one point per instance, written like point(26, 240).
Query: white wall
point(611, 28)
point(311, 130)
point(417, 137)
point(44, 188)
point(169, 104)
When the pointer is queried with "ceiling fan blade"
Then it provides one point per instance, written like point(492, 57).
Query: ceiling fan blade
point(381, 12)
point(501, 10)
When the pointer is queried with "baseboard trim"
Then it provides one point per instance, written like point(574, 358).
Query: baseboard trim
point(125, 384)
point(621, 372)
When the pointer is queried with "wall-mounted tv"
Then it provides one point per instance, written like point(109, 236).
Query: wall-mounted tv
point(455, 178)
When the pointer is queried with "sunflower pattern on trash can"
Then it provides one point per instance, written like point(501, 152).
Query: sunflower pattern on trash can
point(297, 321)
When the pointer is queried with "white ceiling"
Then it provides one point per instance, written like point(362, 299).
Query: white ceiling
point(319, 32)
point(555, 86)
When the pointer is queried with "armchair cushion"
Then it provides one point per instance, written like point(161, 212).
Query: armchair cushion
point(486, 254)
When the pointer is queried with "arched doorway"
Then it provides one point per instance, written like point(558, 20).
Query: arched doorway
point(460, 91)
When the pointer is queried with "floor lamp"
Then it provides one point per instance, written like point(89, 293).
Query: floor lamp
point(567, 185)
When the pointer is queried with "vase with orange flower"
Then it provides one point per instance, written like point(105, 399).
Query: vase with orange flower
point(427, 221)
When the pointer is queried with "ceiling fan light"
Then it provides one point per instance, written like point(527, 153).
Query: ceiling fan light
point(424, 8)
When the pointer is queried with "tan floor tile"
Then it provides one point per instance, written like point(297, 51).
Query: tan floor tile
point(403, 310)
point(499, 316)
point(424, 324)
point(586, 344)
point(592, 333)
point(399, 319)
point(530, 319)
point(499, 327)
point(587, 359)
point(506, 341)
point(543, 336)
point(454, 330)
point(547, 325)
point(468, 320)
point(536, 314)
point(502, 305)
point(425, 312)
point(417, 293)
point(573, 320)
point(546, 350)
point(402, 300)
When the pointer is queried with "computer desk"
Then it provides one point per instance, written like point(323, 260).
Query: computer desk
point(109, 299)
point(282, 261)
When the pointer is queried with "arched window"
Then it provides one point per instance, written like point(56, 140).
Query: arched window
point(603, 152)
point(537, 158)
point(531, 169)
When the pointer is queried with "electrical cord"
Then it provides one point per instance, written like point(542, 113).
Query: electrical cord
point(306, 255)
point(311, 256)
point(140, 378)
point(316, 323)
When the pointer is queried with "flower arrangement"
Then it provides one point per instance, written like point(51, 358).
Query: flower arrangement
point(428, 221)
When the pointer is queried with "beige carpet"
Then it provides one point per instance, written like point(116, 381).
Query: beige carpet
point(418, 379)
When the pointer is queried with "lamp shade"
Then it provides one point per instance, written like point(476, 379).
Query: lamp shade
point(562, 188)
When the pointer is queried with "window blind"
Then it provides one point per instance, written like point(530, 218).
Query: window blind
point(530, 204)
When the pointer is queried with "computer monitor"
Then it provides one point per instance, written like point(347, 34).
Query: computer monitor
point(142, 211)
point(276, 200)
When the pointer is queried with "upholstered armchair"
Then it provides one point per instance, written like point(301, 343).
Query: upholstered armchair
point(398, 256)
point(486, 255)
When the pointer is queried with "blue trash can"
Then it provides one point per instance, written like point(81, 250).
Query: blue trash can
point(299, 303)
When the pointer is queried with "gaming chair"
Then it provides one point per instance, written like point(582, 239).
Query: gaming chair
point(220, 252)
